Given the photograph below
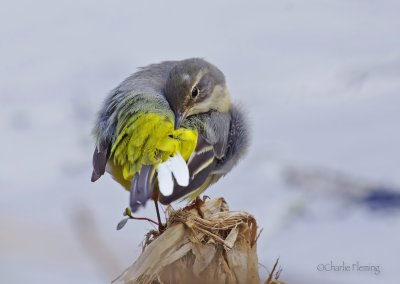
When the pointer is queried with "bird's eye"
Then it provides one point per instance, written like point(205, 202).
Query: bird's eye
point(195, 92)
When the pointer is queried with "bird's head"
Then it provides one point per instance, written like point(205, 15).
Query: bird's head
point(195, 86)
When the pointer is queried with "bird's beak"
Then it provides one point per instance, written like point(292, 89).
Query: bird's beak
point(179, 117)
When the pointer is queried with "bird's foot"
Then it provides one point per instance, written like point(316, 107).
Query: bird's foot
point(205, 197)
point(196, 204)
point(161, 227)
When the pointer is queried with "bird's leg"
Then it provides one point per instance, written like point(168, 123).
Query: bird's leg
point(198, 203)
point(161, 227)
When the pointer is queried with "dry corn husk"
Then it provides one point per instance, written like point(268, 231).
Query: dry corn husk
point(221, 248)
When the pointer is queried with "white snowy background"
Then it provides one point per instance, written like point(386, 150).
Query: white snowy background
point(320, 81)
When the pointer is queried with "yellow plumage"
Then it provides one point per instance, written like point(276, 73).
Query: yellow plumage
point(147, 139)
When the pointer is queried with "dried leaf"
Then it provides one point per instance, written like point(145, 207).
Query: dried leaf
point(231, 238)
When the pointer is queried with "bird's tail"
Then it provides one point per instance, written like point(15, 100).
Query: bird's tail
point(142, 187)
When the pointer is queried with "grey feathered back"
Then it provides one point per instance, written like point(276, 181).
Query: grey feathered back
point(149, 80)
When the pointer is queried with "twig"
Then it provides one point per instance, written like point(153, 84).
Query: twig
point(271, 277)
point(128, 213)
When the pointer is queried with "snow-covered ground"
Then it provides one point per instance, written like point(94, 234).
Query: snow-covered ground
point(319, 79)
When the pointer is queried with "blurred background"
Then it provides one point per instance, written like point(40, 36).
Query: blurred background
point(320, 81)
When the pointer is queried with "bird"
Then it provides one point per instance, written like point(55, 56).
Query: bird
point(169, 131)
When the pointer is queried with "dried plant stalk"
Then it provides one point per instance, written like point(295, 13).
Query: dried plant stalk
point(219, 248)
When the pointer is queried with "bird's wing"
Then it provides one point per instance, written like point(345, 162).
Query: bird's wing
point(211, 147)
point(200, 165)
point(238, 141)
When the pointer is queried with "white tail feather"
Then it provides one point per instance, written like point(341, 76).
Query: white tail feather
point(177, 166)
point(180, 169)
point(165, 181)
